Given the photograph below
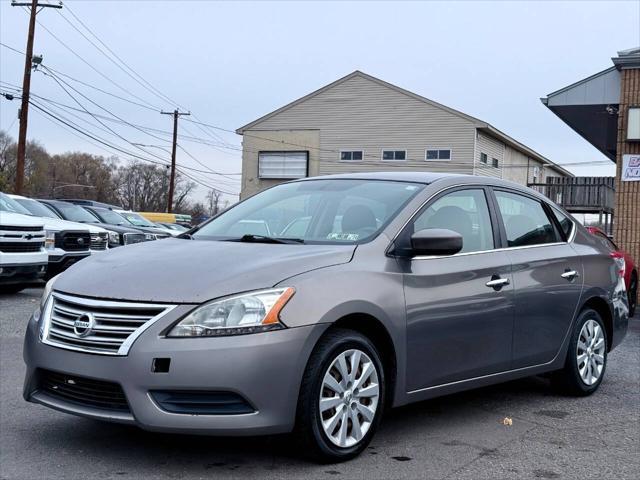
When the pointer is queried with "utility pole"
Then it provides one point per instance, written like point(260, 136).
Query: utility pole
point(176, 114)
point(26, 87)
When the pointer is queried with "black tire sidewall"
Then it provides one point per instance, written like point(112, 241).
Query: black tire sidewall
point(347, 340)
point(571, 366)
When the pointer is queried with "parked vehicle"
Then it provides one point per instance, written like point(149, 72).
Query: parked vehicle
point(75, 213)
point(167, 218)
point(627, 265)
point(23, 259)
point(145, 225)
point(66, 242)
point(172, 226)
point(117, 222)
point(429, 284)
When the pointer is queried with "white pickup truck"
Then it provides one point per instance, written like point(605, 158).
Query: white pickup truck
point(23, 258)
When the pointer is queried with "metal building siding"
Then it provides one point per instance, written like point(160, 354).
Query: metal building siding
point(494, 149)
point(360, 114)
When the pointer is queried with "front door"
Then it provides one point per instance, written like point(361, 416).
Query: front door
point(459, 307)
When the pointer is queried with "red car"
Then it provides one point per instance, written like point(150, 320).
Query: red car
point(630, 269)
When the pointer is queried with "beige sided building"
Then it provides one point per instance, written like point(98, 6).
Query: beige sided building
point(360, 123)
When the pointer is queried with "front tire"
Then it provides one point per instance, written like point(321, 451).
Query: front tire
point(341, 397)
point(586, 357)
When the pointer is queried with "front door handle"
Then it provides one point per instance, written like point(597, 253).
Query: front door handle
point(569, 274)
point(497, 282)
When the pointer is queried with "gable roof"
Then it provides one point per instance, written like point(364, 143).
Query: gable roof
point(477, 122)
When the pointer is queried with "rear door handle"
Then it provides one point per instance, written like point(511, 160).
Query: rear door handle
point(569, 274)
point(497, 282)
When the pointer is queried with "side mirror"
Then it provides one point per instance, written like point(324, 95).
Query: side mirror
point(435, 241)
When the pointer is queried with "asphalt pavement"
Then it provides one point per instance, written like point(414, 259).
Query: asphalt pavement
point(459, 436)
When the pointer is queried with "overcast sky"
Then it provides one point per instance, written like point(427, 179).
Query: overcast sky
point(231, 62)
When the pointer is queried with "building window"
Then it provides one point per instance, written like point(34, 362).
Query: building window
point(438, 154)
point(351, 155)
point(283, 165)
point(633, 123)
point(394, 155)
point(483, 158)
point(494, 162)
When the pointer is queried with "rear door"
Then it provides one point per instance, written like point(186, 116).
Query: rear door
point(547, 275)
point(459, 307)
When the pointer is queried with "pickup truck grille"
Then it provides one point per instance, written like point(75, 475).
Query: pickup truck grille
point(99, 241)
point(73, 241)
point(107, 327)
point(20, 229)
point(20, 247)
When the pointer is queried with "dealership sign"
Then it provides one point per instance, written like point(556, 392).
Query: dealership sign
point(630, 168)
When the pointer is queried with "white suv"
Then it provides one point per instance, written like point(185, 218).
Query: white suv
point(23, 258)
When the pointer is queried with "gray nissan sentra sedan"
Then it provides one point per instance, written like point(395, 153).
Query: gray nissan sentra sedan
point(314, 305)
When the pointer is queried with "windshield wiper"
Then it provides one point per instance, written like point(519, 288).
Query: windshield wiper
point(266, 239)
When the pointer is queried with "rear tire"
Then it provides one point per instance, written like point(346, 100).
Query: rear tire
point(352, 398)
point(586, 360)
point(633, 294)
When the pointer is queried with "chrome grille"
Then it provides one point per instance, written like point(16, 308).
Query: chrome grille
point(99, 241)
point(20, 247)
point(113, 326)
point(130, 238)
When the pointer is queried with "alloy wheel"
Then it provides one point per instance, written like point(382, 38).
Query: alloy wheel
point(590, 352)
point(349, 398)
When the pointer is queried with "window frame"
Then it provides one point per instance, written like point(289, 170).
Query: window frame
point(428, 149)
point(546, 209)
point(495, 163)
point(394, 150)
point(484, 158)
point(352, 150)
point(401, 238)
point(261, 152)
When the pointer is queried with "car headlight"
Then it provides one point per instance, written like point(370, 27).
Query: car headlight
point(114, 238)
point(238, 315)
point(43, 300)
point(50, 239)
point(149, 236)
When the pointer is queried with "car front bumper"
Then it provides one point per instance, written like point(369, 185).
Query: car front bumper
point(265, 369)
point(59, 261)
point(21, 273)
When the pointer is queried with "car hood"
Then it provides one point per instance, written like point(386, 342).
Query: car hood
point(59, 225)
point(193, 271)
point(20, 220)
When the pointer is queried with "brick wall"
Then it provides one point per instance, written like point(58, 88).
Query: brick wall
point(627, 220)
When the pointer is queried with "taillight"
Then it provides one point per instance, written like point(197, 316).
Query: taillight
point(619, 259)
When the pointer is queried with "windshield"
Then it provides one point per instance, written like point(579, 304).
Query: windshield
point(111, 217)
point(36, 208)
point(136, 219)
point(8, 204)
point(75, 213)
point(316, 211)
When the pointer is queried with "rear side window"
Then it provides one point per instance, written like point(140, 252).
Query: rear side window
point(465, 212)
point(525, 221)
point(565, 223)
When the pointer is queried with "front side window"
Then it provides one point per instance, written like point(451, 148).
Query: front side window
point(394, 155)
point(350, 155)
point(314, 211)
point(525, 221)
point(465, 212)
point(283, 165)
point(439, 154)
